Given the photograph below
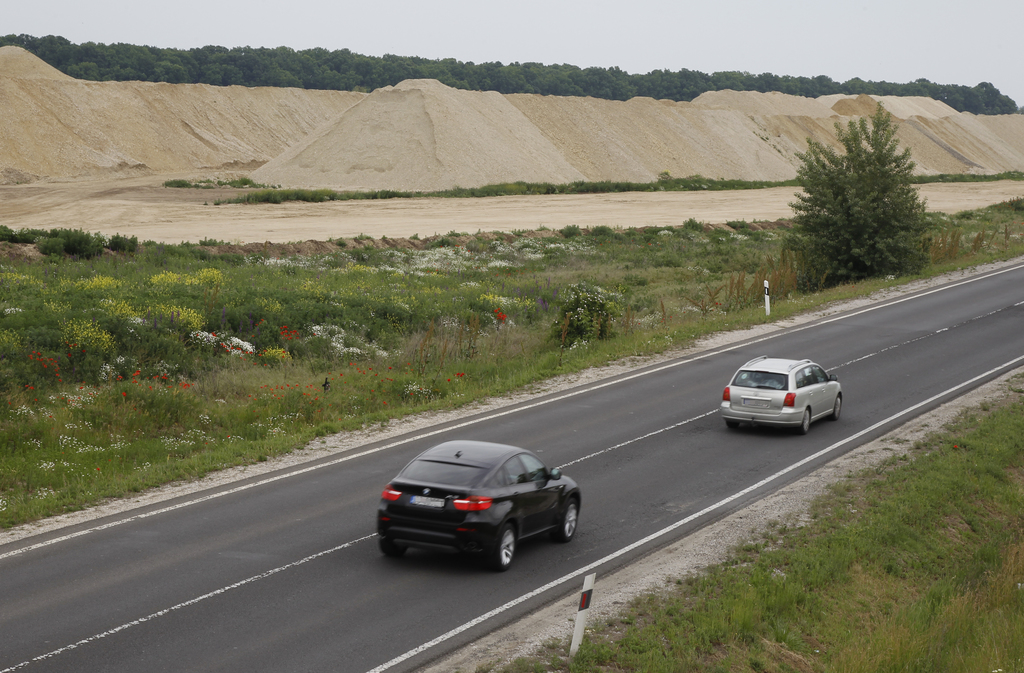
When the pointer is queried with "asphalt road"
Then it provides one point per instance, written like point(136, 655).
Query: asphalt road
point(282, 573)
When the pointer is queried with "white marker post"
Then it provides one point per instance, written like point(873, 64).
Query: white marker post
point(581, 614)
point(767, 301)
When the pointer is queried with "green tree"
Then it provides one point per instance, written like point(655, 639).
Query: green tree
point(859, 216)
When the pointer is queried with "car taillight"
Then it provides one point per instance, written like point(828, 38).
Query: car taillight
point(725, 395)
point(390, 493)
point(473, 503)
point(790, 400)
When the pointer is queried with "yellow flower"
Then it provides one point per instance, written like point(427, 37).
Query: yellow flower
point(100, 283)
point(277, 354)
point(10, 277)
point(120, 308)
point(316, 289)
point(87, 335)
point(166, 278)
point(270, 305)
point(9, 339)
point(206, 277)
point(190, 318)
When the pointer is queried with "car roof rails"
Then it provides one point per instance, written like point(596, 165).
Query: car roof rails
point(799, 363)
point(757, 359)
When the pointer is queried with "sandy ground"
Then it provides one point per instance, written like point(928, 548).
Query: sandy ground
point(142, 207)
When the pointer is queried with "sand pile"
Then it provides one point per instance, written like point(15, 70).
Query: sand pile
point(903, 107)
point(422, 135)
point(383, 142)
point(59, 127)
point(637, 139)
point(16, 62)
point(759, 104)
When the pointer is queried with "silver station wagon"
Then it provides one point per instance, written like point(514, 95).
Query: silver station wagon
point(786, 393)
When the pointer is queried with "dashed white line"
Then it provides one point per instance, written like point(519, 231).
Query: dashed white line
point(179, 606)
point(682, 522)
point(498, 414)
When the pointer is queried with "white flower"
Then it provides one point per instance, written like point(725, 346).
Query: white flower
point(203, 337)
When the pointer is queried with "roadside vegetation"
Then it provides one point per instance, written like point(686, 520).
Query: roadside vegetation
point(916, 564)
point(665, 183)
point(124, 365)
point(210, 183)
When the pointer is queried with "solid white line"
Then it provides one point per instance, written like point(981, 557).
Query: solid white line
point(179, 606)
point(682, 522)
point(491, 416)
point(550, 585)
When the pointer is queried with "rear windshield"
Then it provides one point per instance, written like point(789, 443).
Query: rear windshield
point(755, 379)
point(452, 474)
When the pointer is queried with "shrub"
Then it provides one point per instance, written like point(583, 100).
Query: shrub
point(570, 231)
point(50, 246)
point(119, 243)
point(586, 313)
point(70, 242)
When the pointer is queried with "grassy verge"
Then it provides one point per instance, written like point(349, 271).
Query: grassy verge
point(666, 183)
point(916, 564)
point(209, 183)
point(128, 370)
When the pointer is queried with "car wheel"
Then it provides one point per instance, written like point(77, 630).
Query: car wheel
point(805, 422)
point(502, 553)
point(732, 424)
point(567, 524)
point(391, 548)
point(837, 408)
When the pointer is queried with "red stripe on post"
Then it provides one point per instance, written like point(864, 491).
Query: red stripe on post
point(585, 599)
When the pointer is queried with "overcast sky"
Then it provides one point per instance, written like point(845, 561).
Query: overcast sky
point(892, 40)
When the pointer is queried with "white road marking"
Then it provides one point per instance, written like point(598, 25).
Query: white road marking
point(497, 414)
point(637, 439)
point(179, 606)
point(540, 590)
point(682, 522)
point(923, 336)
point(550, 585)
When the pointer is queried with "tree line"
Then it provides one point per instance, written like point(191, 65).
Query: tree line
point(344, 70)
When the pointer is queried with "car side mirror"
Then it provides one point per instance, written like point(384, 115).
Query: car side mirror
point(833, 377)
point(555, 474)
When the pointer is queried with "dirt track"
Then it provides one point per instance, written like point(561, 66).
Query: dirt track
point(143, 207)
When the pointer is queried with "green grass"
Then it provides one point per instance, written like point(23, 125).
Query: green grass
point(665, 183)
point(130, 370)
point(237, 183)
point(916, 564)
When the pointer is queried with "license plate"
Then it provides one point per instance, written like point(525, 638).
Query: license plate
point(748, 402)
point(424, 501)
